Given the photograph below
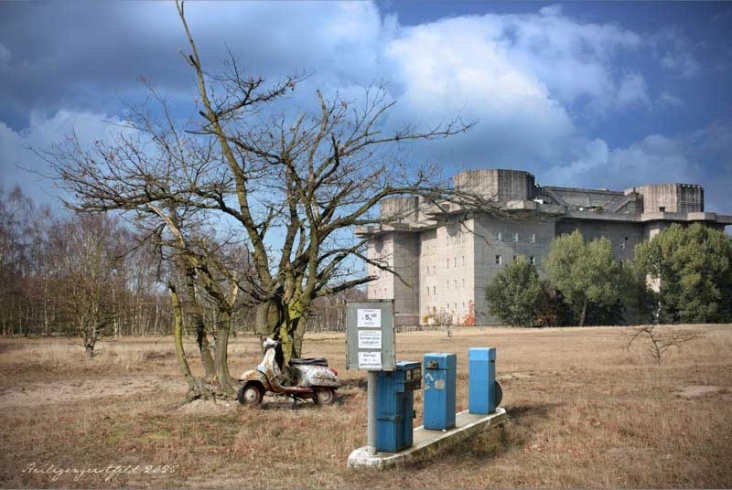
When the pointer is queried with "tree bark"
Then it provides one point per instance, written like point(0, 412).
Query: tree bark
point(261, 322)
point(204, 348)
point(89, 348)
point(584, 313)
point(90, 339)
point(225, 381)
point(180, 354)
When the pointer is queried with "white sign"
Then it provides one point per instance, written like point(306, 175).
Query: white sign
point(369, 360)
point(369, 339)
point(370, 343)
point(369, 318)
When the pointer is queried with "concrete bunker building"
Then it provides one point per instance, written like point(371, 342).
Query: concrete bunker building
point(446, 254)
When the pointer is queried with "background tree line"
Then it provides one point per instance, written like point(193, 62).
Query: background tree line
point(89, 275)
point(683, 275)
point(74, 274)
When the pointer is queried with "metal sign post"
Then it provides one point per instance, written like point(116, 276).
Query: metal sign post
point(371, 412)
point(371, 346)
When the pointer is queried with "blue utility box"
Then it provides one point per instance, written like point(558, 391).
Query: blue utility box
point(395, 406)
point(483, 392)
point(440, 374)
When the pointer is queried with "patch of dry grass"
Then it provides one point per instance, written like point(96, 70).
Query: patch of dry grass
point(583, 412)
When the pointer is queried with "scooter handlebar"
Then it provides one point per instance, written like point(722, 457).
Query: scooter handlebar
point(270, 343)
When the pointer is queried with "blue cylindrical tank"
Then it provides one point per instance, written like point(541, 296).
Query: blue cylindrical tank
point(439, 390)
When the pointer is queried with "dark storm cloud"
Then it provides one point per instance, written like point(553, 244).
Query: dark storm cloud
point(84, 54)
point(592, 102)
point(89, 54)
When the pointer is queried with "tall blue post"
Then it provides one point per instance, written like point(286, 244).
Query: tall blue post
point(439, 376)
point(482, 380)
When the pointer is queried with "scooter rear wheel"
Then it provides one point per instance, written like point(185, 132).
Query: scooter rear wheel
point(324, 396)
point(250, 395)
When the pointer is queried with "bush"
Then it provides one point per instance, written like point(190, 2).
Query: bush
point(515, 295)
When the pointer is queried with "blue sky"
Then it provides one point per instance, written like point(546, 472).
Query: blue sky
point(584, 94)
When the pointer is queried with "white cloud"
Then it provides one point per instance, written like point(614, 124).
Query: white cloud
point(448, 62)
point(680, 62)
point(674, 52)
point(656, 159)
point(331, 39)
point(551, 10)
point(711, 149)
point(457, 66)
point(528, 79)
point(21, 165)
point(575, 60)
point(5, 55)
point(537, 83)
point(632, 91)
point(668, 100)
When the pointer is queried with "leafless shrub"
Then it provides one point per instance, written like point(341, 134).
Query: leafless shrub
point(157, 355)
point(441, 319)
point(659, 341)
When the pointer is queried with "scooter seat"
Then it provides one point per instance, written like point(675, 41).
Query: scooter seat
point(317, 361)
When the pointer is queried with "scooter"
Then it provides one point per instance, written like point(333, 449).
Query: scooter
point(313, 379)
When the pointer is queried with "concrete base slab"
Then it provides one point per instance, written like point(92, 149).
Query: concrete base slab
point(427, 443)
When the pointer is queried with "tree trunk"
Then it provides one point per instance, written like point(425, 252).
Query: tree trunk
point(293, 326)
point(287, 337)
point(583, 314)
point(225, 381)
point(89, 348)
point(180, 354)
point(282, 322)
point(298, 335)
point(269, 321)
point(204, 349)
point(89, 338)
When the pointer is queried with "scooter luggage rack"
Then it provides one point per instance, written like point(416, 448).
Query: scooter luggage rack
point(315, 361)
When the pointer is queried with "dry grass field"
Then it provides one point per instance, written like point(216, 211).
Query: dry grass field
point(583, 412)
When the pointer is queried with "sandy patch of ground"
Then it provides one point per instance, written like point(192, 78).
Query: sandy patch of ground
point(696, 391)
point(75, 390)
point(209, 407)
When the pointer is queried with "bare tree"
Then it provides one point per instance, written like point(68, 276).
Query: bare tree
point(659, 341)
point(86, 253)
point(212, 281)
point(146, 304)
point(287, 187)
point(24, 306)
point(37, 283)
point(312, 176)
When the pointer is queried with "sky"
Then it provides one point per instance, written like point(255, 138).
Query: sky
point(581, 94)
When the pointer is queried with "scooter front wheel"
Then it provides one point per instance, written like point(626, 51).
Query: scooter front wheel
point(324, 396)
point(250, 395)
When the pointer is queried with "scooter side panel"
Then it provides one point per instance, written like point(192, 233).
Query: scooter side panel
point(255, 375)
point(311, 376)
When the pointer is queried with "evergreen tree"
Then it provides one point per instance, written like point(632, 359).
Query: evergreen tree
point(693, 267)
point(515, 295)
point(586, 273)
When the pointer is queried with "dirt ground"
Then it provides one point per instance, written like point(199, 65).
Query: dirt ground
point(31, 395)
point(584, 411)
